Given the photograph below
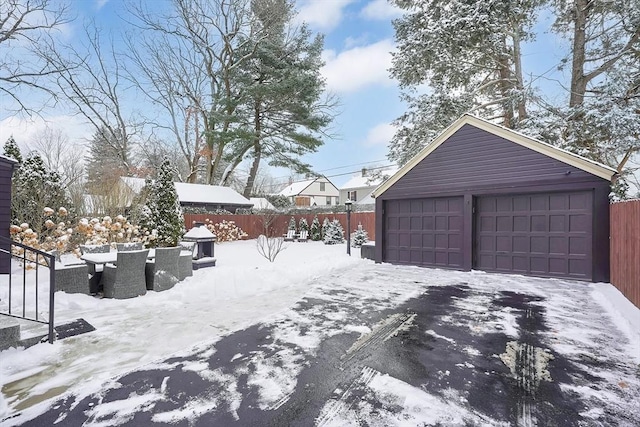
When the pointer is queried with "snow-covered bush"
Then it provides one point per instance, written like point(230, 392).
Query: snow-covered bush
point(334, 233)
point(316, 231)
point(65, 236)
point(325, 225)
point(292, 224)
point(225, 231)
point(359, 237)
point(161, 217)
point(303, 224)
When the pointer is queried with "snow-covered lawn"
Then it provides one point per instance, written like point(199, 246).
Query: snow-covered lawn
point(244, 289)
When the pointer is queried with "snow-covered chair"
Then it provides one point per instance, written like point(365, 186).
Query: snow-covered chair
point(71, 275)
point(163, 272)
point(185, 260)
point(304, 236)
point(291, 236)
point(134, 246)
point(126, 279)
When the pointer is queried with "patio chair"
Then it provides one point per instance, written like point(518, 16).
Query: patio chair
point(71, 277)
point(95, 249)
point(304, 236)
point(291, 236)
point(163, 272)
point(185, 260)
point(126, 279)
point(135, 246)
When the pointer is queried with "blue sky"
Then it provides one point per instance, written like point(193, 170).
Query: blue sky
point(359, 37)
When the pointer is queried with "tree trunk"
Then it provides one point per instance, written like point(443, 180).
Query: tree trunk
point(504, 72)
point(517, 61)
point(257, 151)
point(578, 79)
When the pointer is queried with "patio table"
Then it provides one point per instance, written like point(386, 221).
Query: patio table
point(96, 259)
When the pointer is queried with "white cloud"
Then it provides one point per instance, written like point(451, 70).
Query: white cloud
point(323, 15)
point(356, 68)
point(380, 10)
point(24, 130)
point(100, 4)
point(380, 134)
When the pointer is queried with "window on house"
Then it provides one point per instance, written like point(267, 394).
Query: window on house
point(351, 195)
point(328, 200)
point(322, 185)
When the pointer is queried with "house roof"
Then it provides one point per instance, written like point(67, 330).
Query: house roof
point(296, 188)
point(198, 193)
point(360, 181)
point(261, 203)
point(549, 150)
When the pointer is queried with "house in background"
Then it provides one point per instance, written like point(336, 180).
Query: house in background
point(484, 197)
point(312, 192)
point(359, 188)
point(209, 197)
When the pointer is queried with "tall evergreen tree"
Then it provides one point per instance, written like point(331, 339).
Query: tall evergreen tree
point(283, 99)
point(162, 215)
point(108, 159)
point(469, 53)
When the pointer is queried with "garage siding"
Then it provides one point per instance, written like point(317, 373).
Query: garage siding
point(426, 232)
point(535, 234)
point(538, 215)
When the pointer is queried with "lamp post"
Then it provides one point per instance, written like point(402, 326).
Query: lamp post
point(347, 204)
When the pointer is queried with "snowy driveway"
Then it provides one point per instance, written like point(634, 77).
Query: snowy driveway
point(385, 345)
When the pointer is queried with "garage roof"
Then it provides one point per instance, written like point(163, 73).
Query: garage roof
point(549, 150)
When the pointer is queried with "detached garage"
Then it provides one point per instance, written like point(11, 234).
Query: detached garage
point(484, 197)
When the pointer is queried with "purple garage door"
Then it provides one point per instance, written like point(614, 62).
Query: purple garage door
point(538, 234)
point(425, 232)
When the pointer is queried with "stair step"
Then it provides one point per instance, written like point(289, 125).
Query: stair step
point(9, 332)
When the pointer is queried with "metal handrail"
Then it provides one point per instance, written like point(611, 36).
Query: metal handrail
point(49, 261)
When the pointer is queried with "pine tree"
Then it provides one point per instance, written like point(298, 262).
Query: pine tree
point(316, 231)
point(162, 214)
point(35, 188)
point(283, 90)
point(107, 160)
point(359, 237)
point(303, 225)
point(12, 150)
point(292, 224)
point(325, 226)
point(334, 233)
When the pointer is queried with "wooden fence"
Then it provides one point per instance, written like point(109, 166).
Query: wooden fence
point(625, 249)
point(255, 224)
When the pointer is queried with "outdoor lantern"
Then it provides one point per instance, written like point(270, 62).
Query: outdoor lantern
point(348, 205)
point(204, 240)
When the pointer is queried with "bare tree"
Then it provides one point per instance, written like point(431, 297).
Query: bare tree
point(24, 24)
point(64, 157)
point(91, 79)
point(269, 245)
point(189, 58)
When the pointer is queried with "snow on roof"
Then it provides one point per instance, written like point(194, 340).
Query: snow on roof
point(296, 188)
point(198, 193)
point(201, 232)
point(360, 181)
point(261, 203)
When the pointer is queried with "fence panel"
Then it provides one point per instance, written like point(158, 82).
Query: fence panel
point(254, 225)
point(625, 249)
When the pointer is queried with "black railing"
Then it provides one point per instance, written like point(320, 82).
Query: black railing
point(29, 258)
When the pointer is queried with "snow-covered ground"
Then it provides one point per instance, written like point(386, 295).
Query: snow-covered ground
point(244, 289)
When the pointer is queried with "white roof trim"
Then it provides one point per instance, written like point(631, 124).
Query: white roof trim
point(590, 166)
